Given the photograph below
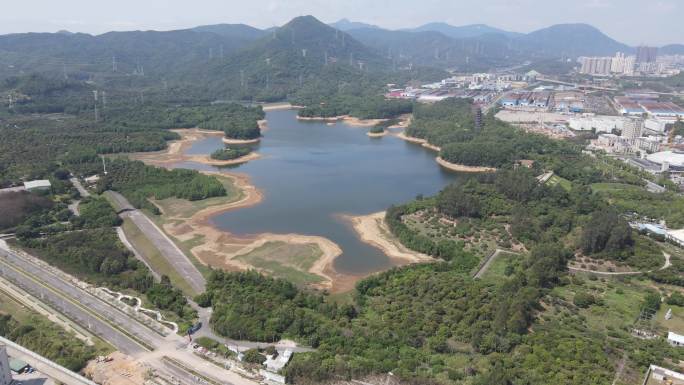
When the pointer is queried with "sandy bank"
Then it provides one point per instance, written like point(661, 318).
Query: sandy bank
point(350, 120)
point(277, 106)
point(240, 141)
point(462, 167)
point(373, 230)
point(377, 134)
point(175, 152)
point(206, 159)
point(422, 142)
point(221, 249)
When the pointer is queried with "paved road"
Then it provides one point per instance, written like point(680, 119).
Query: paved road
point(50, 286)
point(175, 256)
point(75, 303)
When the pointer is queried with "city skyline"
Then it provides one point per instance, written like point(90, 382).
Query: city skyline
point(656, 24)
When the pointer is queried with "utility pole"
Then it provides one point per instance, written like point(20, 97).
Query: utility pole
point(11, 101)
point(104, 165)
point(113, 63)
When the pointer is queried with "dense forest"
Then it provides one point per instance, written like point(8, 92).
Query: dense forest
point(138, 182)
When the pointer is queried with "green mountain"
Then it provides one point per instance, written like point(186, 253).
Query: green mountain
point(465, 31)
point(156, 54)
point(570, 40)
point(299, 52)
point(347, 25)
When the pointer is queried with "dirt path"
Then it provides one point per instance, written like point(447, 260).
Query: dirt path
point(667, 264)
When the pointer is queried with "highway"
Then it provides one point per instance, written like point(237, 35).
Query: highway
point(78, 305)
point(124, 332)
point(175, 256)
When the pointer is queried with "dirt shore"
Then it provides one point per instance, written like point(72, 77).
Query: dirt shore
point(373, 230)
point(462, 167)
point(219, 248)
point(175, 152)
point(350, 120)
point(422, 142)
point(377, 134)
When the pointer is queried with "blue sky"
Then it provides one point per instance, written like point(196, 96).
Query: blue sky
point(630, 21)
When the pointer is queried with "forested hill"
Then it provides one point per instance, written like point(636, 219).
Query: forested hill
point(156, 54)
point(294, 54)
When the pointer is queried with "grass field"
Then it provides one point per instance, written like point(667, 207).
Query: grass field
point(620, 301)
point(285, 260)
point(557, 180)
point(497, 269)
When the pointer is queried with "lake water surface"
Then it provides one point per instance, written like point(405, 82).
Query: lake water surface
point(310, 172)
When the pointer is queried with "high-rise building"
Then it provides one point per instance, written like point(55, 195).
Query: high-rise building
point(632, 128)
point(646, 54)
point(596, 65)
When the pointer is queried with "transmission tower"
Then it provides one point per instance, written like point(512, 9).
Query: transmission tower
point(113, 63)
point(11, 102)
point(96, 112)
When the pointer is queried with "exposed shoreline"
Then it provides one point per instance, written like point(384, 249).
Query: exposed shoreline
point(350, 120)
point(463, 167)
point(176, 151)
point(373, 230)
point(220, 248)
point(377, 134)
point(443, 163)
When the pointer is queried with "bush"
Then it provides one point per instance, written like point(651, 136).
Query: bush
point(253, 356)
point(584, 300)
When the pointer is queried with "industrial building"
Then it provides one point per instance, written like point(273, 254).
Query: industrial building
point(529, 99)
point(662, 109)
point(597, 123)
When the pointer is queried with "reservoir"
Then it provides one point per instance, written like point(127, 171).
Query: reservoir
point(310, 172)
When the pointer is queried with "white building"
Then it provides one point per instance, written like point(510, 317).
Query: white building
point(676, 236)
point(597, 122)
point(41, 184)
point(649, 144)
point(675, 339)
point(631, 128)
point(657, 125)
point(665, 376)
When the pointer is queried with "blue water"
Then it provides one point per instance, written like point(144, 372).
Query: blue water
point(310, 172)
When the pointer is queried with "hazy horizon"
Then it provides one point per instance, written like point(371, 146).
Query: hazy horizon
point(628, 21)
